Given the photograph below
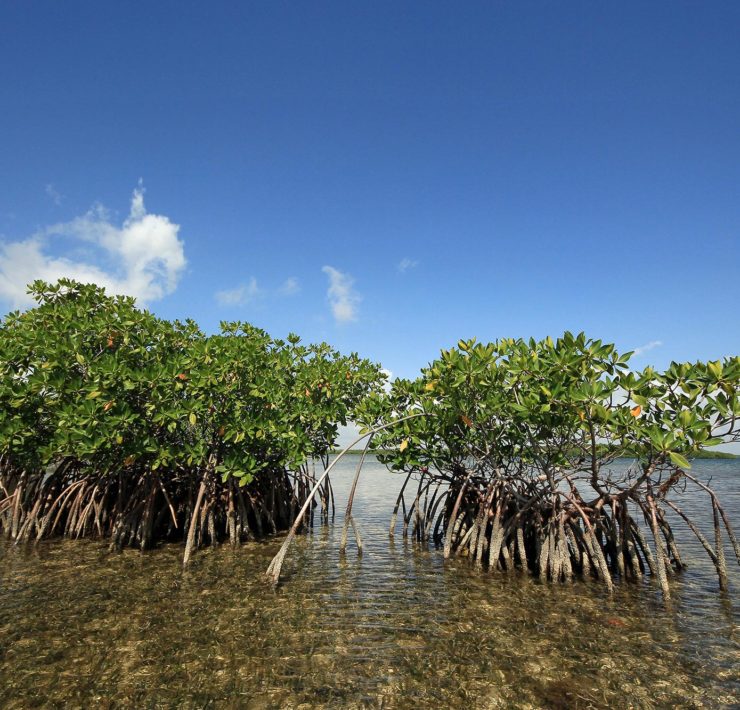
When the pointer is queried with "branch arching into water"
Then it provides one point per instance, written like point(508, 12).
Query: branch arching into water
point(273, 571)
point(348, 513)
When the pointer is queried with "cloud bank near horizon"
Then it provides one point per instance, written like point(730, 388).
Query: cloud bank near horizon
point(144, 257)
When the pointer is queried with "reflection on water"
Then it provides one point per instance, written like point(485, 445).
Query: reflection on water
point(397, 627)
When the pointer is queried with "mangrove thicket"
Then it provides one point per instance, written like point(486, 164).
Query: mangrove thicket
point(517, 457)
point(117, 424)
point(552, 457)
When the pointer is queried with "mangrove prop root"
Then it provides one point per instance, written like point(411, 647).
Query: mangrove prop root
point(139, 507)
point(500, 520)
point(504, 522)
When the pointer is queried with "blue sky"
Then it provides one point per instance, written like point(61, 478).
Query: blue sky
point(389, 177)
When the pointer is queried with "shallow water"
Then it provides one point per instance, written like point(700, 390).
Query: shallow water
point(397, 627)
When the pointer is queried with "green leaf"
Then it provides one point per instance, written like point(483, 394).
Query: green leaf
point(679, 460)
point(715, 368)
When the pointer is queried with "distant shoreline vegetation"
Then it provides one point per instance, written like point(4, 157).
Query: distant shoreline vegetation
point(697, 455)
point(714, 455)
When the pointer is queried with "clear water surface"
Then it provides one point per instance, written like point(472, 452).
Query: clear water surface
point(397, 627)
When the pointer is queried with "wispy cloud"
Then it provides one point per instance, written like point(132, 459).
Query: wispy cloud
point(143, 257)
point(53, 194)
point(648, 346)
point(241, 295)
point(290, 286)
point(344, 300)
point(405, 264)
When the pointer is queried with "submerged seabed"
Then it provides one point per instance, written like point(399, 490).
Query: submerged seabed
point(395, 628)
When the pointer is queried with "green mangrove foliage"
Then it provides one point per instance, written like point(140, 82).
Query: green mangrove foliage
point(115, 423)
point(514, 457)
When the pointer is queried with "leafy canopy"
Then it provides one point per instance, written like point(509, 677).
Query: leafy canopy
point(540, 406)
point(89, 377)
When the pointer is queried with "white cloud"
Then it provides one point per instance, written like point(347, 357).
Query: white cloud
point(143, 257)
point(343, 299)
point(290, 287)
point(648, 346)
point(241, 295)
point(389, 382)
point(54, 195)
point(405, 264)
